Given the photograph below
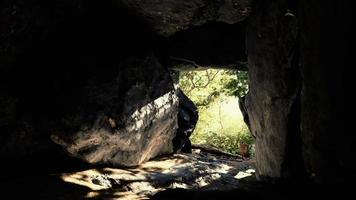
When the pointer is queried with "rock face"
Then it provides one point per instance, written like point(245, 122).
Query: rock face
point(272, 100)
point(296, 101)
point(142, 130)
point(187, 119)
point(169, 16)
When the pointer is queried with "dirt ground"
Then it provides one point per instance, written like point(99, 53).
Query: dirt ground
point(197, 171)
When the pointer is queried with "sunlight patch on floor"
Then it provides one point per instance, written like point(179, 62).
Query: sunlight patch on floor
point(83, 179)
point(244, 174)
point(188, 171)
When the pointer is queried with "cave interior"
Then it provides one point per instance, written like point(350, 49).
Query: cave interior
point(85, 83)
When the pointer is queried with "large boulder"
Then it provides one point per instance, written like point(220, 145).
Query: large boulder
point(81, 75)
point(142, 129)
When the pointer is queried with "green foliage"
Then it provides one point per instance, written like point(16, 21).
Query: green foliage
point(228, 142)
point(201, 86)
point(237, 86)
point(215, 93)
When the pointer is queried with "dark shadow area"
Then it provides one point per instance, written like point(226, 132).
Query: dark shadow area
point(214, 43)
point(41, 187)
point(55, 161)
point(80, 43)
point(260, 190)
point(66, 61)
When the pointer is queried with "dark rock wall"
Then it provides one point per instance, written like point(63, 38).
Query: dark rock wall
point(297, 53)
point(326, 56)
point(271, 41)
point(214, 44)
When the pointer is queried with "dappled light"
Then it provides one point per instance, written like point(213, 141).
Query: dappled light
point(117, 140)
point(244, 174)
point(199, 170)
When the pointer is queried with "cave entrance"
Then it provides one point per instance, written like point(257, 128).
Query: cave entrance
point(220, 126)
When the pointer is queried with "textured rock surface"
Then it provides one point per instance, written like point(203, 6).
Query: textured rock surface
point(296, 102)
point(169, 16)
point(144, 129)
point(274, 87)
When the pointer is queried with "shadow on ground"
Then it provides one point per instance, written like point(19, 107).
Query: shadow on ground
point(179, 176)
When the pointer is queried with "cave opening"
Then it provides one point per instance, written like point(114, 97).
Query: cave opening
point(213, 98)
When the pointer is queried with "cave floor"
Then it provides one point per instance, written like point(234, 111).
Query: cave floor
point(198, 171)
